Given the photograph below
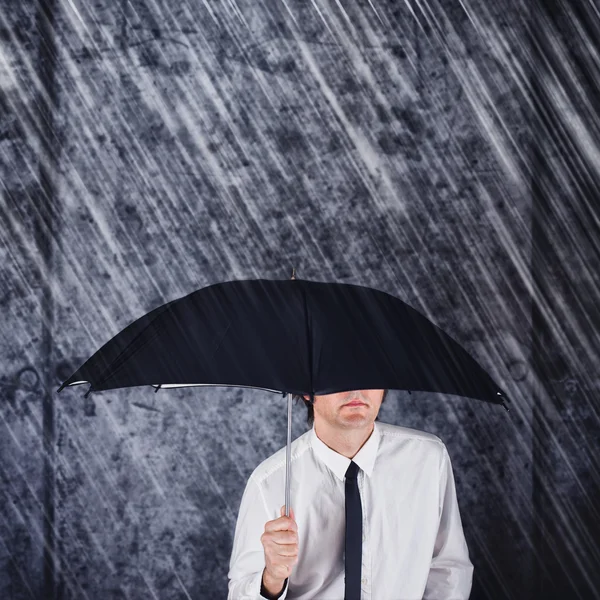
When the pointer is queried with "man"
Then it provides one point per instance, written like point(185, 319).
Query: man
point(413, 546)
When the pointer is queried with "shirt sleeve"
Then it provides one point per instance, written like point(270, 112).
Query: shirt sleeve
point(451, 572)
point(247, 561)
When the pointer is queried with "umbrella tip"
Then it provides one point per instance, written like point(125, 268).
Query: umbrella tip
point(504, 398)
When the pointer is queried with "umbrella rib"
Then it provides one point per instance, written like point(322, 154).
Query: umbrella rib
point(106, 372)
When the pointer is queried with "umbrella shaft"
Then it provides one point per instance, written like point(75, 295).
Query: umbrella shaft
point(288, 457)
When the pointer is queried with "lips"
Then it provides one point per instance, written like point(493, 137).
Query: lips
point(355, 404)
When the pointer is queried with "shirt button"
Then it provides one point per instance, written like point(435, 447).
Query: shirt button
point(364, 537)
point(364, 580)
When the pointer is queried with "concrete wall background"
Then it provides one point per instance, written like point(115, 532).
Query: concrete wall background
point(384, 144)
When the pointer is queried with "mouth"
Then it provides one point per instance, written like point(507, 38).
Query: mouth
point(355, 404)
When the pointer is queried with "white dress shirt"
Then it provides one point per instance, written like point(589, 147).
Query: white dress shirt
point(413, 543)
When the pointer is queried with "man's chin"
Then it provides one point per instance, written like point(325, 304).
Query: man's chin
point(356, 420)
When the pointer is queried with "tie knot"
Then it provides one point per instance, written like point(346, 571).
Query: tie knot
point(352, 471)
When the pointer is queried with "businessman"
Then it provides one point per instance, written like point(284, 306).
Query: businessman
point(404, 499)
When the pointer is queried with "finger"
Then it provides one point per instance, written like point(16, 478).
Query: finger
point(281, 524)
point(286, 551)
point(290, 523)
point(285, 544)
point(284, 538)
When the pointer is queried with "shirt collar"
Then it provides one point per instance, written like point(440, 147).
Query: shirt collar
point(338, 463)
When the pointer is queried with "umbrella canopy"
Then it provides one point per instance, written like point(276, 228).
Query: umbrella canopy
point(287, 336)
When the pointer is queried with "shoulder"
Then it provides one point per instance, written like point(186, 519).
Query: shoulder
point(421, 448)
point(396, 435)
point(388, 430)
point(276, 461)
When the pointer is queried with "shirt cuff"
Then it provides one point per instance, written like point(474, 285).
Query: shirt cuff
point(263, 592)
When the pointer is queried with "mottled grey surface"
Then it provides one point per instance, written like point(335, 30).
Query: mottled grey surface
point(390, 144)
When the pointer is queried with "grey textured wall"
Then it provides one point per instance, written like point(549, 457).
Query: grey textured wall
point(445, 152)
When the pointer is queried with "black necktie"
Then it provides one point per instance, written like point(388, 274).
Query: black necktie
point(353, 544)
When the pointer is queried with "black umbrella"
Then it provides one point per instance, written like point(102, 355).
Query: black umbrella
point(289, 337)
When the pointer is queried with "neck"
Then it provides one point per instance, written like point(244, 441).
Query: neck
point(346, 442)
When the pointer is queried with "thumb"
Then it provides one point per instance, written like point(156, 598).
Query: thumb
point(282, 512)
